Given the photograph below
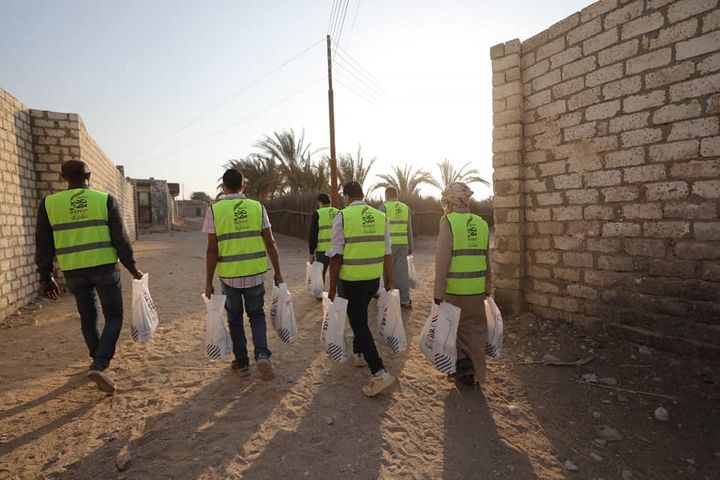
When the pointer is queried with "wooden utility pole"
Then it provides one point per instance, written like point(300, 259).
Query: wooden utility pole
point(331, 107)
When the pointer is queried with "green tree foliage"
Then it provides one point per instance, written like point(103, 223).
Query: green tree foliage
point(449, 174)
point(406, 180)
point(353, 168)
point(200, 196)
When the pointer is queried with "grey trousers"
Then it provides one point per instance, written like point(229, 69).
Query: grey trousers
point(400, 272)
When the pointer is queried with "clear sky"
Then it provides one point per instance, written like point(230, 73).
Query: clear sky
point(137, 71)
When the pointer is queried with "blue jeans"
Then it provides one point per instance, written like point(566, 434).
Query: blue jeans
point(253, 299)
point(109, 289)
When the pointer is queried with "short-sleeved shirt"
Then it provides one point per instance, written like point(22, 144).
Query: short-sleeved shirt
point(338, 235)
point(209, 227)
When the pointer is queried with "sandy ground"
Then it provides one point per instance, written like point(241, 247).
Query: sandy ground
point(179, 416)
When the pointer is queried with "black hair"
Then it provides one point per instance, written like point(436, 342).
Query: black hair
point(233, 180)
point(392, 191)
point(353, 189)
point(75, 171)
point(324, 198)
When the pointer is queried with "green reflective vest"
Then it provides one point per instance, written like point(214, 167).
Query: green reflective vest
point(399, 217)
point(326, 216)
point(238, 226)
point(468, 266)
point(79, 221)
point(364, 252)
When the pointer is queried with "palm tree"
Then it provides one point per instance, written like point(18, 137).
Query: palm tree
point(448, 175)
point(406, 181)
point(263, 178)
point(293, 157)
point(354, 169)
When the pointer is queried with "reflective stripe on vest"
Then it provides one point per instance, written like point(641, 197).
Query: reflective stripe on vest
point(79, 221)
point(241, 249)
point(364, 252)
point(399, 217)
point(326, 216)
point(468, 266)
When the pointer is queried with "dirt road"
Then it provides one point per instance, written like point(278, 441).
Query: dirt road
point(180, 416)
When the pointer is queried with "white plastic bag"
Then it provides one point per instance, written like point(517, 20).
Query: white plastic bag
point(412, 272)
point(218, 343)
point(381, 288)
point(145, 317)
point(332, 331)
point(390, 324)
point(326, 304)
point(317, 284)
point(308, 274)
point(438, 338)
point(282, 314)
point(493, 347)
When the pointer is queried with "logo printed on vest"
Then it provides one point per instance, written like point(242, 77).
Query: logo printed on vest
point(332, 214)
point(78, 206)
point(240, 215)
point(472, 232)
point(368, 219)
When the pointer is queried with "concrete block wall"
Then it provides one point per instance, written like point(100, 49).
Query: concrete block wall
point(606, 149)
point(33, 146)
point(18, 207)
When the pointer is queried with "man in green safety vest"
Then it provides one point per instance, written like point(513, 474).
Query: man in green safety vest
point(83, 229)
point(462, 278)
point(240, 240)
point(321, 231)
point(359, 253)
point(401, 234)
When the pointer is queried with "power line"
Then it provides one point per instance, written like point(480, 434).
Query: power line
point(352, 27)
point(342, 66)
point(220, 104)
point(336, 21)
point(342, 26)
point(343, 53)
point(332, 15)
point(347, 83)
point(242, 120)
point(363, 97)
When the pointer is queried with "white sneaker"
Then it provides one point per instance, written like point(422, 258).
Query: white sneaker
point(359, 360)
point(378, 382)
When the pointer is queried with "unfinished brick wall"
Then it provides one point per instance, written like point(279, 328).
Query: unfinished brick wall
point(33, 146)
point(59, 137)
point(106, 176)
point(606, 148)
point(18, 207)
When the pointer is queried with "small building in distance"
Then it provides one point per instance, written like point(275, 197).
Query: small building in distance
point(191, 208)
point(154, 202)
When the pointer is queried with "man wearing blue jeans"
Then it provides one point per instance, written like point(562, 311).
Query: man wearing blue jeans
point(83, 229)
point(240, 240)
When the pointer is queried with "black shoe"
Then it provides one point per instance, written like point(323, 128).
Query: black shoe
point(463, 368)
point(465, 380)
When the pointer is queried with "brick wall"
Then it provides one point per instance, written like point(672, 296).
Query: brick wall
point(33, 146)
point(59, 137)
point(18, 205)
point(606, 148)
point(107, 177)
